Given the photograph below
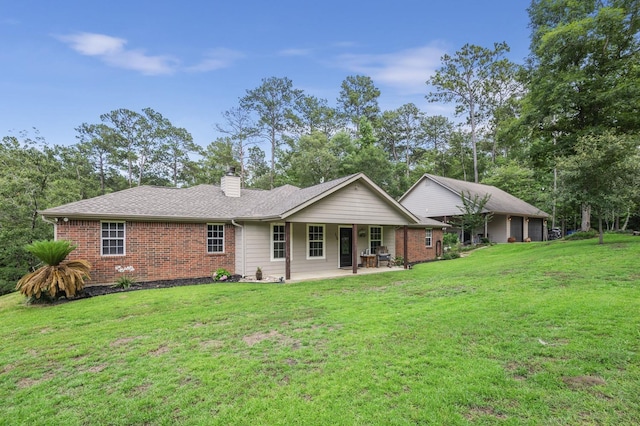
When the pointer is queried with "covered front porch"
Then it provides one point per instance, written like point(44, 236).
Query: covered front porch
point(303, 250)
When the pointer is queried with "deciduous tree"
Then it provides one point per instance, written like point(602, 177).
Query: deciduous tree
point(584, 74)
point(603, 173)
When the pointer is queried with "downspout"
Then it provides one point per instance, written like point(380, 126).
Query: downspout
point(244, 246)
point(55, 227)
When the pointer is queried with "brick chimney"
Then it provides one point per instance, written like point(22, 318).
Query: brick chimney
point(230, 183)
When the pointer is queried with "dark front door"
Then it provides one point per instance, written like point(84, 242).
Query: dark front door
point(346, 253)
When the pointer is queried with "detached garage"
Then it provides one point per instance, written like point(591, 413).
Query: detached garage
point(439, 198)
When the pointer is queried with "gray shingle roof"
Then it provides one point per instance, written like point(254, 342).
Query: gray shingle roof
point(432, 222)
point(202, 202)
point(500, 201)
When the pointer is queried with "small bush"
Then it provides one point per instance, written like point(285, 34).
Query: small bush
point(221, 274)
point(582, 235)
point(450, 239)
point(7, 287)
point(485, 240)
point(450, 255)
point(125, 280)
point(55, 278)
point(398, 260)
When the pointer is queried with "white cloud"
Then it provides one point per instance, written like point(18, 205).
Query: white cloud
point(216, 59)
point(112, 51)
point(406, 70)
point(295, 52)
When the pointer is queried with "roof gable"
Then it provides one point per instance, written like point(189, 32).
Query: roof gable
point(354, 202)
point(499, 201)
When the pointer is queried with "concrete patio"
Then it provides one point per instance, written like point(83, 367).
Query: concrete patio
point(331, 273)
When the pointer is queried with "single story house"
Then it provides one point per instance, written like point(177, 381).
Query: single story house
point(440, 198)
point(177, 233)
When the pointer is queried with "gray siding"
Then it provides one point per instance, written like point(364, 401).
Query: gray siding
point(429, 199)
point(355, 203)
point(258, 248)
point(497, 229)
point(240, 232)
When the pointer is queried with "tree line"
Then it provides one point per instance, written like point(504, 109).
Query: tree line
point(559, 131)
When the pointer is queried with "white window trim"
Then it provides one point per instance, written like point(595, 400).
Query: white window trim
point(124, 239)
point(428, 234)
point(324, 242)
point(273, 259)
point(224, 234)
point(381, 236)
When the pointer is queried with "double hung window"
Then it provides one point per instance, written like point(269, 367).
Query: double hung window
point(112, 238)
point(215, 238)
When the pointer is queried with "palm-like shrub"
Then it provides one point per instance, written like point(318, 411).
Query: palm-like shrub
point(56, 276)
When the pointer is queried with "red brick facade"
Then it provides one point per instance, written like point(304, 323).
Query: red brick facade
point(416, 244)
point(157, 250)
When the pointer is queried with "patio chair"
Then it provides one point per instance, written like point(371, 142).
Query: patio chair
point(383, 255)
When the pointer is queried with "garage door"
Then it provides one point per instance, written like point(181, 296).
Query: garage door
point(535, 229)
point(516, 227)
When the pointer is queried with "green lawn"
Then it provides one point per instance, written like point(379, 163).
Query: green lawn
point(540, 333)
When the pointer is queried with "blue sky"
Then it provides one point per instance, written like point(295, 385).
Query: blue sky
point(63, 63)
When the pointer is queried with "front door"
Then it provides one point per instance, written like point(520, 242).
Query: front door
point(346, 253)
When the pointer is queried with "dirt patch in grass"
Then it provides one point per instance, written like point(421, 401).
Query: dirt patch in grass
point(443, 291)
point(7, 368)
point(139, 390)
point(521, 371)
point(212, 344)
point(583, 382)
point(97, 368)
point(122, 341)
point(27, 382)
point(560, 276)
point(477, 412)
point(254, 339)
point(163, 349)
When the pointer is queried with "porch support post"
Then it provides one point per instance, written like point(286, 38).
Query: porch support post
point(406, 247)
point(287, 250)
point(354, 248)
point(486, 227)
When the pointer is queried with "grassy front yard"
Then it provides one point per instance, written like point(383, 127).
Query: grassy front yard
point(512, 334)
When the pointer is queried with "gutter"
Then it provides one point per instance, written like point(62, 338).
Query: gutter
point(244, 246)
point(55, 226)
